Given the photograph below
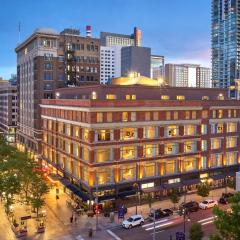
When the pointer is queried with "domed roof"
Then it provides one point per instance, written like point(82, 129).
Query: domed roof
point(46, 31)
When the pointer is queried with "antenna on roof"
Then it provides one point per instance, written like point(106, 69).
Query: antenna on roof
point(19, 32)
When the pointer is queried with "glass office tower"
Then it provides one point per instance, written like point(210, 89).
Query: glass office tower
point(225, 44)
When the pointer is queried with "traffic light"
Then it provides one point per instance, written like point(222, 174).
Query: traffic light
point(97, 208)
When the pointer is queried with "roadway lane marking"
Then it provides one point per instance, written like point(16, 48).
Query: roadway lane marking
point(150, 224)
point(205, 223)
point(160, 225)
point(79, 237)
point(113, 235)
point(158, 232)
point(206, 219)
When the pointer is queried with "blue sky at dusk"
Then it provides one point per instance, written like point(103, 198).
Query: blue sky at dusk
point(177, 29)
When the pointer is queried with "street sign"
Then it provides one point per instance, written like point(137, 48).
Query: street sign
point(121, 212)
point(180, 236)
point(25, 217)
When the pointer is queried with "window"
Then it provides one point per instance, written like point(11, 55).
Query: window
point(175, 115)
point(128, 172)
point(149, 170)
point(216, 143)
point(147, 116)
point(68, 129)
point(216, 160)
point(205, 97)
point(171, 148)
point(76, 131)
point(229, 113)
point(203, 129)
point(204, 145)
point(231, 127)
point(99, 117)
point(131, 97)
point(48, 66)
point(189, 164)
point(220, 113)
point(128, 152)
point(104, 176)
point(48, 76)
point(155, 116)
point(235, 113)
point(48, 86)
point(124, 116)
point(133, 116)
point(171, 131)
point(214, 113)
point(75, 150)
point(180, 97)
point(187, 115)
point(217, 128)
point(128, 133)
point(103, 135)
point(189, 130)
point(231, 142)
point(103, 155)
point(85, 134)
point(203, 162)
point(150, 132)
point(204, 114)
point(165, 97)
point(231, 158)
point(190, 147)
point(170, 167)
point(194, 115)
point(109, 117)
point(168, 115)
point(85, 154)
point(111, 97)
point(94, 95)
point(150, 150)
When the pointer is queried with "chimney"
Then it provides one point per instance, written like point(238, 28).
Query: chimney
point(88, 31)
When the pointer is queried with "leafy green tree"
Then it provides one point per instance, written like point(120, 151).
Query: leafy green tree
point(227, 222)
point(38, 189)
point(203, 190)
point(175, 198)
point(196, 232)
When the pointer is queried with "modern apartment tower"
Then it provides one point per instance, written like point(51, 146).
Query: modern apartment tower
point(157, 67)
point(45, 61)
point(187, 75)
point(225, 44)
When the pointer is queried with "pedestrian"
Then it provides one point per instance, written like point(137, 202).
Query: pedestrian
point(71, 219)
point(75, 219)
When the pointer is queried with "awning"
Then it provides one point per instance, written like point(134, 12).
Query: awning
point(191, 181)
point(152, 189)
point(127, 193)
point(106, 197)
point(217, 177)
point(173, 185)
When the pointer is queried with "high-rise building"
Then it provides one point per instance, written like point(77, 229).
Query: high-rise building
point(136, 59)
point(225, 44)
point(115, 39)
point(45, 61)
point(187, 75)
point(157, 67)
point(110, 60)
point(8, 110)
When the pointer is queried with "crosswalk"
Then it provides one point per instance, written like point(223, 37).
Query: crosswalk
point(70, 237)
point(206, 221)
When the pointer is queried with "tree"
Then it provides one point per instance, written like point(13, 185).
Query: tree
point(38, 189)
point(196, 232)
point(227, 222)
point(203, 190)
point(149, 200)
point(175, 198)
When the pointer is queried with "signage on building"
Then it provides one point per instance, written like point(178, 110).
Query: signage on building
point(147, 185)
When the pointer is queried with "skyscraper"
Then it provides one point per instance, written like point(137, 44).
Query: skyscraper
point(157, 67)
point(225, 44)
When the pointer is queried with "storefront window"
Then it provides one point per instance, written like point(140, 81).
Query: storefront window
point(103, 155)
point(128, 152)
point(104, 176)
point(150, 150)
point(128, 133)
point(189, 164)
point(128, 172)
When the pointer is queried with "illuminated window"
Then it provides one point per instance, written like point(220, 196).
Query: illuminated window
point(194, 115)
point(180, 97)
point(109, 117)
point(111, 97)
point(170, 167)
point(229, 113)
point(231, 158)
point(189, 130)
point(150, 150)
point(231, 127)
point(45, 137)
point(85, 134)
point(128, 133)
point(216, 160)
point(99, 117)
point(155, 116)
point(94, 95)
point(165, 97)
point(68, 147)
point(131, 97)
point(104, 176)
point(204, 114)
point(203, 163)
point(220, 113)
point(216, 143)
point(103, 155)
point(235, 113)
point(85, 154)
point(128, 152)
point(149, 170)
point(231, 142)
point(171, 148)
point(217, 128)
point(128, 172)
point(187, 115)
point(147, 116)
point(220, 96)
point(85, 173)
point(168, 115)
point(76, 131)
point(204, 145)
point(190, 147)
point(214, 113)
point(171, 131)
point(189, 164)
point(175, 115)
point(68, 129)
point(150, 132)
point(205, 97)
point(134, 97)
point(103, 135)
point(49, 125)
point(75, 150)
point(124, 116)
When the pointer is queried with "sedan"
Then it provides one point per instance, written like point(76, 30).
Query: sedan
point(208, 204)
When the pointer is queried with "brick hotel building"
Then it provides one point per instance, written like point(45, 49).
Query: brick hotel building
point(159, 137)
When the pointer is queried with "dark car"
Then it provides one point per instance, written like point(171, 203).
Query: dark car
point(169, 211)
point(225, 198)
point(159, 213)
point(190, 206)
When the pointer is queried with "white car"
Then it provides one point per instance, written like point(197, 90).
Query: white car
point(133, 221)
point(208, 204)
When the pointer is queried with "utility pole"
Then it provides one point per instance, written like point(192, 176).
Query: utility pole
point(154, 224)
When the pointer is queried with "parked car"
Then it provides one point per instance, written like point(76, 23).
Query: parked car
point(168, 211)
point(191, 206)
point(159, 213)
point(208, 204)
point(225, 198)
point(133, 221)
